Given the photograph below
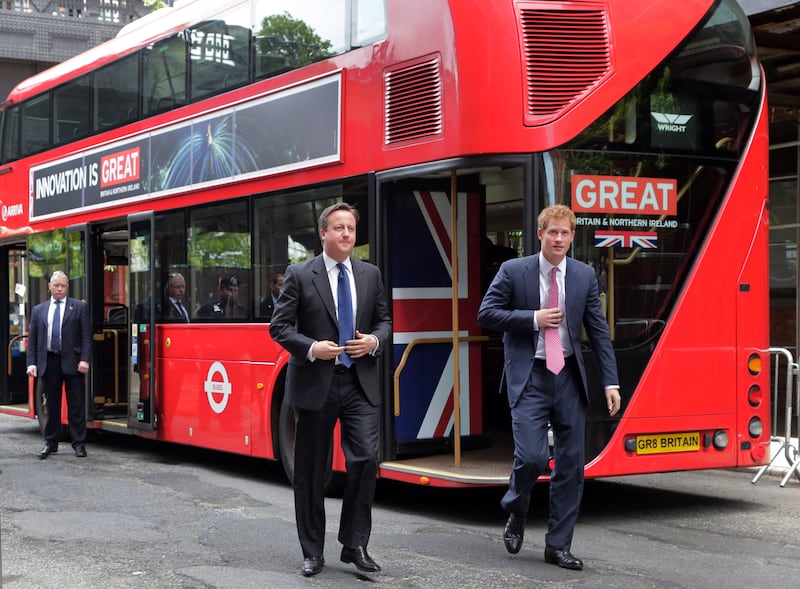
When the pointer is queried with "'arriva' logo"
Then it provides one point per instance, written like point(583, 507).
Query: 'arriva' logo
point(671, 123)
point(12, 211)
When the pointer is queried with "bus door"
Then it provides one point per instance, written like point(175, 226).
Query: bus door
point(420, 273)
point(141, 365)
point(79, 270)
point(13, 278)
point(110, 313)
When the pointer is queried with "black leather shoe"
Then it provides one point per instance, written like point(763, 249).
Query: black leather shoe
point(80, 451)
point(359, 557)
point(312, 565)
point(513, 533)
point(562, 558)
point(47, 450)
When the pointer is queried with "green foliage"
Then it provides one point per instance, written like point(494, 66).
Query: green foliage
point(289, 42)
point(219, 249)
point(156, 4)
point(47, 252)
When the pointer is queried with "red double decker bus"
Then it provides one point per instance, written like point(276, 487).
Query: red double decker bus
point(206, 138)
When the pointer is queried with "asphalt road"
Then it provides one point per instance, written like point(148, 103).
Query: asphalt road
point(146, 515)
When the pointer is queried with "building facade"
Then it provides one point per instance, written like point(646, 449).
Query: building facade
point(36, 34)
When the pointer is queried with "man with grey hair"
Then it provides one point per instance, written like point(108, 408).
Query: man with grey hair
point(59, 351)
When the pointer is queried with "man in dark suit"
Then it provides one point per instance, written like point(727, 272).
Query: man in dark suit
point(173, 308)
point(59, 350)
point(268, 304)
point(333, 374)
point(547, 384)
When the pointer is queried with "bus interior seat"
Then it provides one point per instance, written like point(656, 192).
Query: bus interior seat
point(118, 315)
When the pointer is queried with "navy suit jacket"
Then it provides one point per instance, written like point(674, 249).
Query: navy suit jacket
point(306, 312)
point(510, 304)
point(76, 336)
point(167, 312)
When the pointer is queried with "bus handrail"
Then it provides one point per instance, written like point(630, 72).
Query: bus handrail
point(114, 333)
point(786, 446)
point(10, 349)
point(419, 341)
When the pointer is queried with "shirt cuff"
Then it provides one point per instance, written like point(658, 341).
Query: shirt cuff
point(309, 355)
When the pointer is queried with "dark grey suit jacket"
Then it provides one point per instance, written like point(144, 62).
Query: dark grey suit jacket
point(306, 312)
point(510, 304)
point(76, 336)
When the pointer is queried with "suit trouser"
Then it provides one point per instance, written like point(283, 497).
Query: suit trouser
point(75, 388)
point(313, 435)
point(559, 401)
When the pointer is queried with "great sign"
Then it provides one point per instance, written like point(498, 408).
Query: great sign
point(624, 195)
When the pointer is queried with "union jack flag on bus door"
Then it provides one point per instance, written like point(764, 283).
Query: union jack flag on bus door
point(642, 239)
point(421, 281)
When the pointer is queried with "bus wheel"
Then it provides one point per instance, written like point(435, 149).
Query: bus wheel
point(286, 431)
point(286, 439)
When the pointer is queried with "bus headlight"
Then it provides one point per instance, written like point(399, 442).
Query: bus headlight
point(720, 439)
point(755, 427)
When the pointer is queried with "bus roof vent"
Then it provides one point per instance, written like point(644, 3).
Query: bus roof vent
point(413, 101)
point(567, 53)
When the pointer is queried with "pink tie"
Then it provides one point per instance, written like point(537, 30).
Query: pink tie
point(552, 342)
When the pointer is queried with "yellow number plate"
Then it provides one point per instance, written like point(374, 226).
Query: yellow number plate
point(664, 443)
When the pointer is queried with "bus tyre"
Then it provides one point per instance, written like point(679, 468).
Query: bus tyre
point(286, 428)
point(286, 431)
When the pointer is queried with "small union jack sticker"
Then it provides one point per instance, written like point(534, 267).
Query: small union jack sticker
point(642, 239)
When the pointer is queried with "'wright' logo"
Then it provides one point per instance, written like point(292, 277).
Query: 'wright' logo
point(671, 123)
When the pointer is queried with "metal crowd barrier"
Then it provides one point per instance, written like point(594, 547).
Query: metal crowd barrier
point(787, 446)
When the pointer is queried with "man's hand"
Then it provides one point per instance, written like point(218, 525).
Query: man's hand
point(365, 343)
point(326, 350)
point(614, 401)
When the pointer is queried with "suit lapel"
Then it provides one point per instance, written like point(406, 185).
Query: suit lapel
point(323, 286)
point(531, 282)
point(68, 305)
point(570, 288)
point(361, 289)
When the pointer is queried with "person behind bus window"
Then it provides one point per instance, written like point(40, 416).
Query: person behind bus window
point(268, 304)
point(333, 374)
point(226, 305)
point(544, 392)
point(59, 351)
point(173, 308)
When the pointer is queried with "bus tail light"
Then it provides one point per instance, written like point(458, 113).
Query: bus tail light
point(758, 452)
point(720, 439)
point(755, 428)
point(754, 364)
point(755, 396)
